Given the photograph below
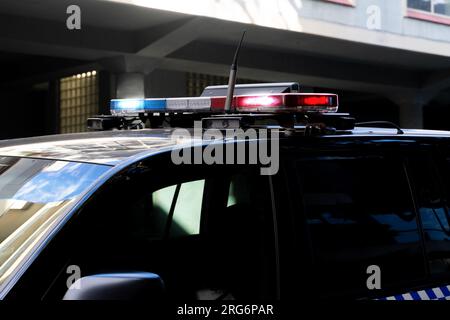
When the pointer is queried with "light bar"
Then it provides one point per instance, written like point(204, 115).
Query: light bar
point(188, 104)
point(298, 102)
point(273, 103)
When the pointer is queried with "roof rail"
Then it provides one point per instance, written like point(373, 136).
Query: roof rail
point(387, 123)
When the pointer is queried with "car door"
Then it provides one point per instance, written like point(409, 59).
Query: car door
point(207, 230)
point(355, 216)
point(428, 167)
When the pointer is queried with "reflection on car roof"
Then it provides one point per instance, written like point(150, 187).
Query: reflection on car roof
point(114, 147)
point(103, 148)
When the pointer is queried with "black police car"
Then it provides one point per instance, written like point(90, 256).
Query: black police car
point(348, 213)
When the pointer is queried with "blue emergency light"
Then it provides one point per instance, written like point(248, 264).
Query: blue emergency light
point(127, 106)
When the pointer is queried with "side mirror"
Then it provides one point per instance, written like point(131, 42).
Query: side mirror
point(117, 286)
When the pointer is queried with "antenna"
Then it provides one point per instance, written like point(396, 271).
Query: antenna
point(232, 77)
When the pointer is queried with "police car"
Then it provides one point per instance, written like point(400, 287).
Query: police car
point(349, 211)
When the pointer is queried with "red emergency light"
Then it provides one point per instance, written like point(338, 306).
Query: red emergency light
point(287, 102)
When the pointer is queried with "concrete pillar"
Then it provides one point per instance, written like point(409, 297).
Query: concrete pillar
point(411, 115)
point(410, 108)
point(166, 83)
point(130, 85)
point(130, 73)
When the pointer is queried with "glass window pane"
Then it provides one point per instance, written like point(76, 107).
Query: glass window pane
point(434, 215)
point(442, 7)
point(33, 196)
point(360, 213)
point(420, 4)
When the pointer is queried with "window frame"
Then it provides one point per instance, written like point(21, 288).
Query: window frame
point(423, 15)
point(347, 3)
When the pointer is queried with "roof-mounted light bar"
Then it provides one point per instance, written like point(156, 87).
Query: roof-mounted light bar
point(272, 103)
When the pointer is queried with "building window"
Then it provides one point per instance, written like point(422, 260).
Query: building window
point(433, 6)
point(350, 3)
point(196, 82)
point(431, 10)
point(78, 101)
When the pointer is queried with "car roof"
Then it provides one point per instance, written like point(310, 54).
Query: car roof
point(115, 147)
point(104, 147)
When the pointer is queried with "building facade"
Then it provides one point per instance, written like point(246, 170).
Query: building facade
point(62, 61)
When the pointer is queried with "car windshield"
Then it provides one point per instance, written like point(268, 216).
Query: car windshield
point(33, 196)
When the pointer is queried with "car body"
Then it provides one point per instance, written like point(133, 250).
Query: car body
point(341, 208)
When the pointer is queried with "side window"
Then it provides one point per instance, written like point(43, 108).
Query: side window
point(433, 212)
point(233, 208)
point(359, 213)
point(175, 222)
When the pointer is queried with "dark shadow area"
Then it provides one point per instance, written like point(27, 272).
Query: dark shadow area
point(29, 92)
point(437, 112)
point(365, 106)
point(25, 112)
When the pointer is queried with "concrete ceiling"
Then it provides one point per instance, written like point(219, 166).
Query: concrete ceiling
point(180, 42)
point(130, 22)
point(102, 14)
